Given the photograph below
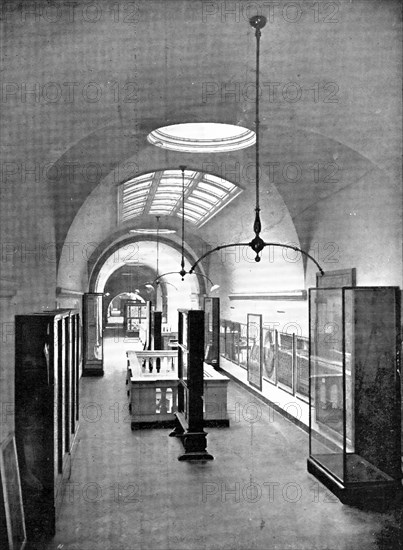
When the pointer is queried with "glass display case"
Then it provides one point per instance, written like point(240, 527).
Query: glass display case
point(211, 331)
point(232, 344)
point(135, 313)
point(183, 347)
point(93, 334)
point(47, 372)
point(354, 392)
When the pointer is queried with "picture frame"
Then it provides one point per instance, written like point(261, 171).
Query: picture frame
point(12, 519)
point(269, 352)
point(254, 350)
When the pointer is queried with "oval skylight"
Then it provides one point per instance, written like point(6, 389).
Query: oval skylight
point(202, 137)
point(152, 231)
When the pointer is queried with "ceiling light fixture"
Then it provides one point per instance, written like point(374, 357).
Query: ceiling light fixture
point(257, 243)
point(182, 271)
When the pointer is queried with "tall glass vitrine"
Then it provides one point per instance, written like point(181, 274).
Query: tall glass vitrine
point(212, 331)
point(135, 313)
point(354, 392)
point(93, 334)
point(47, 372)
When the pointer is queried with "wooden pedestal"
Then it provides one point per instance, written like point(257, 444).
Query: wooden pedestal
point(194, 443)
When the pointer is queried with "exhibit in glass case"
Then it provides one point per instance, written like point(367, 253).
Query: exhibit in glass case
point(212, 331)
point(134, 315)
point(354, 393)
point(93, 334)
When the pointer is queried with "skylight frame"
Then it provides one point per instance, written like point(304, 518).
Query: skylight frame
point(202, 137)
point(160, 193)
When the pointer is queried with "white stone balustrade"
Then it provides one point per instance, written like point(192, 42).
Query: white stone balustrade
point(153, 395)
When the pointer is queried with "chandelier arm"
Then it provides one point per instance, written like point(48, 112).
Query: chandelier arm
point(202, 275)
point(166, 283)
point(151, 283)
point(163, 275)
point(296, 248)
point(216, 249)
point(180, 273)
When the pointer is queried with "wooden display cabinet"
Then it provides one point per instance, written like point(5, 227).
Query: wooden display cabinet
point(47, 371)
point(189, 418)
point(354, 393)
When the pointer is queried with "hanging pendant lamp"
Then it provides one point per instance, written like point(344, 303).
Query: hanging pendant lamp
point(257, 243)
point(182, 272)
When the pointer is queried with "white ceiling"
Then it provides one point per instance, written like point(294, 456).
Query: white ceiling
point(329, 88)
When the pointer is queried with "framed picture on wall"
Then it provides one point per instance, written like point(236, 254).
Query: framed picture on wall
point(254, 350)
point(269, 355)
point(12, 520)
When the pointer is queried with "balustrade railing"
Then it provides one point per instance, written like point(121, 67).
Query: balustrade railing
point(152, 389)
point(156, 361)
point(152, 378)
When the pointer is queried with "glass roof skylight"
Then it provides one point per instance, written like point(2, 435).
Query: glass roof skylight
point(202, 137)
point(160, 193)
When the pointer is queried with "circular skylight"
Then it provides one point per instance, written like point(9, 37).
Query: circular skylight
point(152, 231)
point(202, 137)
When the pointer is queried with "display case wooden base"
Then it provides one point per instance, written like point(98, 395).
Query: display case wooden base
point(194, 443)
point(379, 494)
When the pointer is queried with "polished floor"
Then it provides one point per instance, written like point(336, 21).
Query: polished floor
point(128, 491)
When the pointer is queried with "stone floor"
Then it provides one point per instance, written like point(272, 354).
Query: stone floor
point(128, 491)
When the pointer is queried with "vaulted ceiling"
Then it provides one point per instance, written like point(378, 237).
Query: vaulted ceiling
point(85, 87)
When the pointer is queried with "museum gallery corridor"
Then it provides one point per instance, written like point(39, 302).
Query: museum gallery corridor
point(128, 491)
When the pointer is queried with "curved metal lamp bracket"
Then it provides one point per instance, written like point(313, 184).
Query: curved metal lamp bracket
point(257, 245)
point(183, 273)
